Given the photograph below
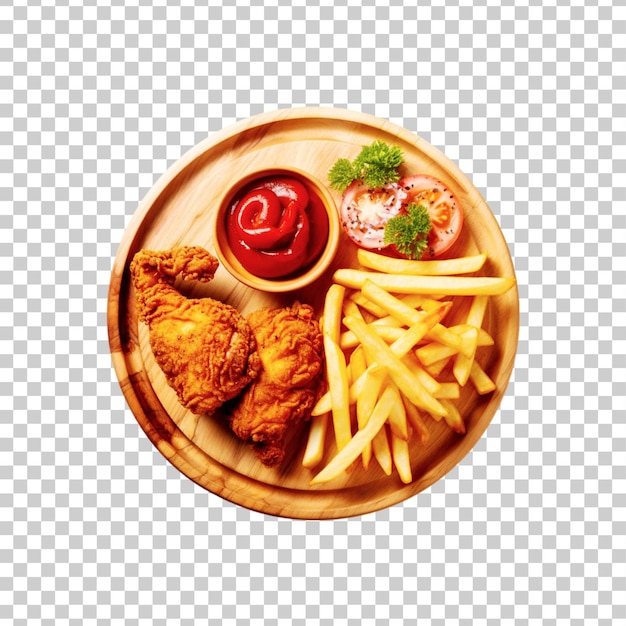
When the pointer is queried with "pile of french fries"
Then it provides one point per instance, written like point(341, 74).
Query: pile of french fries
point(386, 347)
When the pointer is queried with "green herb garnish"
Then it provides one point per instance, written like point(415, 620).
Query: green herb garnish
point(376, 166)
point(408, 232)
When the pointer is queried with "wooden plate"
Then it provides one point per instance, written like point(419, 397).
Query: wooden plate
point(178, 211)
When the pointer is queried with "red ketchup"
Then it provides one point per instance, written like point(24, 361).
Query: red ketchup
point(277, 227)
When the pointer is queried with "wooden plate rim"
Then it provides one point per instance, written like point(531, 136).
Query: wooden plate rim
point(223, 481)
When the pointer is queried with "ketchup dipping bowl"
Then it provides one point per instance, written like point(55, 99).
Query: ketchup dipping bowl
point(276, 230)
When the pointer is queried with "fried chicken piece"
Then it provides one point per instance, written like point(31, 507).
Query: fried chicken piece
point(205, 348)
point(289, 341)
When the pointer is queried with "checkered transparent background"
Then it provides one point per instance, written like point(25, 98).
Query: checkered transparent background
point(98, 100)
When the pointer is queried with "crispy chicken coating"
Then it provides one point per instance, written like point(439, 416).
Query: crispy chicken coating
point(289, 341)
point(205, 348)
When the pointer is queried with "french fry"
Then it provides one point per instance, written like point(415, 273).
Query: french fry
point(348, 339)
point(315, 443)
point(333, 306)
point(366, 402)
point(324, 405)
point(390, 304)
point(382, 354)
point(397, 418)
point(463, 364)
point(401, 458)
point(435, 369)
point(429, 382)
point(365, 304)
point(419, 301)
point(382, 451)
point(416, 421)
point(356, 388)
point(481, 380)
point(436, 285)
point(338, 390)
point(330, 323)
point(350, 307)
point(484, 338)
point(357, 364)
point(453, 417)
point(443, 335)
point(388, 320)
point(477, 311)
point(381, 263)
point(449, 391)
point(432, 352)
point(371, 383)
point(347, 455)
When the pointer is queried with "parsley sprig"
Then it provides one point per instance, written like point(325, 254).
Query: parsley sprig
point(376, 165)
point(408, 232)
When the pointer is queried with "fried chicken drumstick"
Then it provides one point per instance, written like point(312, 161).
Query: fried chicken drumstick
point(205, 348)
point(289, 341)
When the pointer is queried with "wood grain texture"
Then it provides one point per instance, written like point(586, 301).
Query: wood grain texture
point(179, 210)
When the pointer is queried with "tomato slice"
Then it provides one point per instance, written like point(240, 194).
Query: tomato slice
point(365, 211)
point(446, 212)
